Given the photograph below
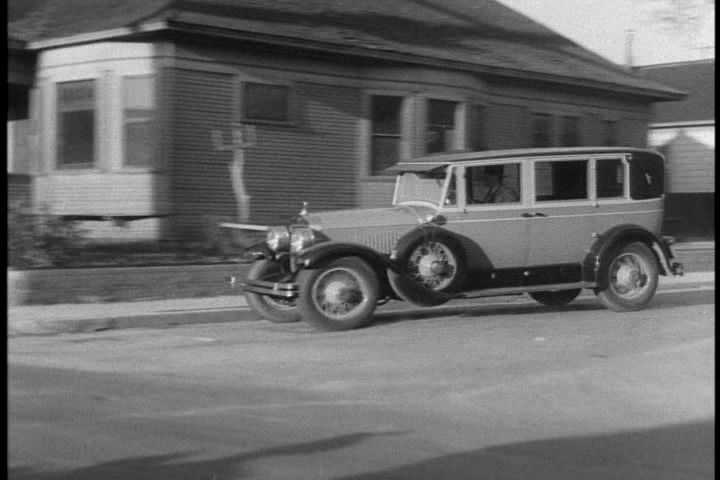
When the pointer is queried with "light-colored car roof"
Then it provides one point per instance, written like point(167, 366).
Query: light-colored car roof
point(431, 162)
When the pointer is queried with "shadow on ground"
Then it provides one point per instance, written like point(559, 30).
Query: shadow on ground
point(468, 309)
point(678, 452)
point(172, 466)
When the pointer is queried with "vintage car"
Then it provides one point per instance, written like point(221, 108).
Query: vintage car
point(548, 222)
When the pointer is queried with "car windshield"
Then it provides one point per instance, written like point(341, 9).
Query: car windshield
point(420, 186)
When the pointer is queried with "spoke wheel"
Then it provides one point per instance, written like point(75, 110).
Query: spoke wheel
point(340, 296)
point(275, 309)
point(631, 278)
point(433, 264)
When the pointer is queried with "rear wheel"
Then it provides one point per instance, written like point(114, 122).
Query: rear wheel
point(339, 296)
point(631, 275)
point(275, 309)
point(556, 299)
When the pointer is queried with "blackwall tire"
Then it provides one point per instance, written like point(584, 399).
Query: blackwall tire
point(436, 263)
point(556, 299)
point(631, 275)
point(276, 310)
point(339, 296)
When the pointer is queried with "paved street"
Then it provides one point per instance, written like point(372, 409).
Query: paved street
point(504, 390)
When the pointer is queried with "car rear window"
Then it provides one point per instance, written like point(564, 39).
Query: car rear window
point(647, 176)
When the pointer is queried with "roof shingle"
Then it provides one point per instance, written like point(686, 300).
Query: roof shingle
point(482, 34)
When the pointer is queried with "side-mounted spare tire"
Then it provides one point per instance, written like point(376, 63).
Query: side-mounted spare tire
point(435, 269)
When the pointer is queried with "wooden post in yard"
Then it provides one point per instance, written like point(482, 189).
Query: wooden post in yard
point(243, 137)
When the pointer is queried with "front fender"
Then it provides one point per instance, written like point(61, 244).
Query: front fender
point(322, 253)
point(618, 235)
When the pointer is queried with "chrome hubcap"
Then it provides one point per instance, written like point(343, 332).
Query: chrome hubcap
point(337, 293)
point(433, 265)
point(628, 275)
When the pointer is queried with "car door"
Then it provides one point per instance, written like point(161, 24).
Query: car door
point(494, 234)
point(560, 223)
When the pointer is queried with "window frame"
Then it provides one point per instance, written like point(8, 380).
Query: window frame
point(58, 165)
point(123, 122)
point(563, 133)
point(240, 103)
point(406, 128)
point(460, 119)
point(552, 128)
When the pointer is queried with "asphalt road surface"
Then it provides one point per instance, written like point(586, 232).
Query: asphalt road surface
point(494, 391)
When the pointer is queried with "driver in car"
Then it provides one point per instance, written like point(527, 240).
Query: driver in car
point(491, 189)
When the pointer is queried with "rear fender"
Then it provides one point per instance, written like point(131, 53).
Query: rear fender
point(620, 235)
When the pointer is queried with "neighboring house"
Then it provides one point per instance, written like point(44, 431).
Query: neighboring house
point(685, 132)
point(130, 98)
point(21, 76)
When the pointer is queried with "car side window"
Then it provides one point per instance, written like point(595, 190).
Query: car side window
point(493, 184)
point(610, 174)
point(561, 180)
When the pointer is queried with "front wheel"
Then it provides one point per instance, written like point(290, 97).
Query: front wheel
point(556, 299)
point(631, 275)
point(339, 296)
point(277, 310)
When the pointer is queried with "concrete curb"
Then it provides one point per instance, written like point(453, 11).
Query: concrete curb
point(84, 318)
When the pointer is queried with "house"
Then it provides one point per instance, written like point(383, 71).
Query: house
point(685, 132)
point(151, 118)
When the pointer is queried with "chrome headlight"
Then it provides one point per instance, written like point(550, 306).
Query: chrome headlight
point(301, 237)
point(278, 238)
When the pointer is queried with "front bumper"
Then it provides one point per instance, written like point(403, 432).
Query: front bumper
point(273, 289)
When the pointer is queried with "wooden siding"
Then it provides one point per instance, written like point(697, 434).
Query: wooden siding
point(102, 194)
point(376, 193)
point(508, 126)
point(19, 189)
point(315, 160)
point(690, 154)
point(199, 175)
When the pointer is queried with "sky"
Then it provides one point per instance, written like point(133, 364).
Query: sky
point(601, 26)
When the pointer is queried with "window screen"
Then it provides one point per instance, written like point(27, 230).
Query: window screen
point(76, 124)
point(386, 115)
point(440, 126)
point(139, 121)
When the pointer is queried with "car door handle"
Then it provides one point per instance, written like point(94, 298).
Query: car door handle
point(527, 215)
point(540, 214)
point(531, 215)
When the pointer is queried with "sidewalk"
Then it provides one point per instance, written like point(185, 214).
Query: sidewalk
point(89, 317)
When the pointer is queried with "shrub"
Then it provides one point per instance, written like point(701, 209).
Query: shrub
point(40, 239)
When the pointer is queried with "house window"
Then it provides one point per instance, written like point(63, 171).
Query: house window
point(570, 135)
point(386, 115)
point(265, 102)
point(139, 120)
point(440, 135)
point(476, 129)
point(542, 130)
point(76, 124)
point(561, 180)
point(610, 133)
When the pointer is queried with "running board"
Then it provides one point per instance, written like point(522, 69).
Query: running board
point(553, 287)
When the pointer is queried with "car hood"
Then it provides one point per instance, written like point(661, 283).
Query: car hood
point(370, 218)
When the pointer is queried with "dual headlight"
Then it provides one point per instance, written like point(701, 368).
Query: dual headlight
point(295, 239)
